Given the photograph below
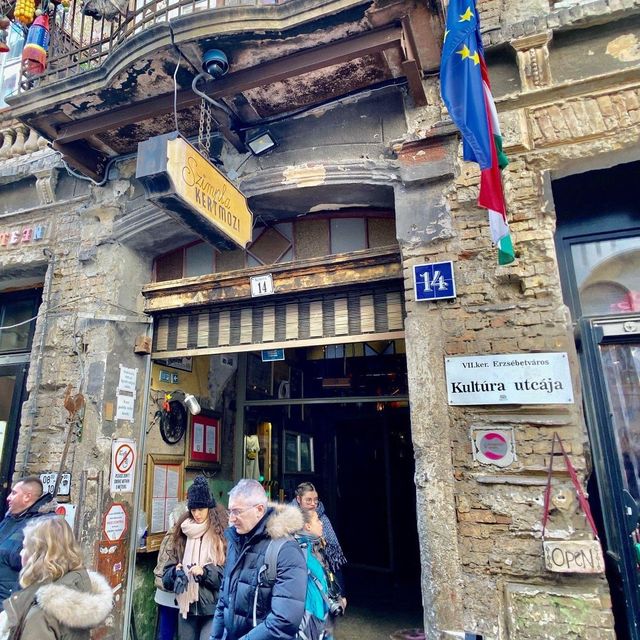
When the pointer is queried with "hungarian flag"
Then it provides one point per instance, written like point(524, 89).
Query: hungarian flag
point(466, 92)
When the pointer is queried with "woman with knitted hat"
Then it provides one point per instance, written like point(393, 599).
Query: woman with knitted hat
point(194, 567)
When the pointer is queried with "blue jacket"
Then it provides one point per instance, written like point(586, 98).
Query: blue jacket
point(280, 607)
point(11, 538)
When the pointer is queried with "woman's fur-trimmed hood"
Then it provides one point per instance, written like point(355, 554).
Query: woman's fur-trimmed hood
point(284, 521)
point(77, 609)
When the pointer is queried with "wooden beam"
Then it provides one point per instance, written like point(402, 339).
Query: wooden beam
point(88, 161)
point(234, 83)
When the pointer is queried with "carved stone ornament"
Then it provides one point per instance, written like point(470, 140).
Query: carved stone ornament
point(46, 181)
point(533, 60)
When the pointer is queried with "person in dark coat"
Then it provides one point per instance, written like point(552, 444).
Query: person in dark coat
point(193, 570)
point(26, 501)
point(279, 607)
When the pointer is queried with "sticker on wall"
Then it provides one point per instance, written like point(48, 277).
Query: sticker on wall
point(494, 446)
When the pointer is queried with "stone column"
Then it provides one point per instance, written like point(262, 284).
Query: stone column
point(423, 227)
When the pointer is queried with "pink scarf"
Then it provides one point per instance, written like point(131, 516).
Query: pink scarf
point(198, 550)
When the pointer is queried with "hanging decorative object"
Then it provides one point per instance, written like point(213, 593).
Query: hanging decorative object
point(4, 46)
point(107, 9)
point(570, 556)
point(24, 11)
point(34, 54)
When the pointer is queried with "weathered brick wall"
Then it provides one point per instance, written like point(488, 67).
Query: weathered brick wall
point(87, 325)
point(494, 581)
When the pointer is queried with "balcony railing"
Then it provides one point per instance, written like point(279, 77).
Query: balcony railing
point(80, 43)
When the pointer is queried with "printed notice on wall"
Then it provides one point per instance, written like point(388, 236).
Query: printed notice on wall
point(125, 406)
point(519, 378)
point(123, 459)
point(198, 437)
point(127, 380)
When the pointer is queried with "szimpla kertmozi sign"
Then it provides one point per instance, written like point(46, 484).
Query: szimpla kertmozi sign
point(180, 180)
point(519, 378)
point(200, 184)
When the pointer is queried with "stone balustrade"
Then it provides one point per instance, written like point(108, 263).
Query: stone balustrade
point(19, 140)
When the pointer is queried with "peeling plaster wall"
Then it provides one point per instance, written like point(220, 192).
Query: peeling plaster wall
point(86, 329)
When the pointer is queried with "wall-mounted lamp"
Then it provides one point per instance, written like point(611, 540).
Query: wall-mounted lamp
point(261, 141)
point(187, 399)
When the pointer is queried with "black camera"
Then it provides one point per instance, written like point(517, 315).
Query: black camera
point(335, 607)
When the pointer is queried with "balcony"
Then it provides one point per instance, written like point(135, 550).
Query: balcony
point(110, 84)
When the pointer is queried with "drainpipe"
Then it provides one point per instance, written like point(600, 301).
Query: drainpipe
point(38, 370)
point(137, 492)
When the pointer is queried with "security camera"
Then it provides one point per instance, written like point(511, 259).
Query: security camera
point(215, 63)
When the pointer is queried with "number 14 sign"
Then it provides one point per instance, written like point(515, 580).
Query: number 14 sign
point(434, 281)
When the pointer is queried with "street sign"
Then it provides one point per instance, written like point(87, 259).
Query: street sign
point(272, 355)
point(509, 378)
point(116, 522)
point(434, 281)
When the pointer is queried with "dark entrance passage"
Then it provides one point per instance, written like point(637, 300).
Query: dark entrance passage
point(348, 434)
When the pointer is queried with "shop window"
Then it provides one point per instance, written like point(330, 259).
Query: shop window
point(348, 234)
point(298, 453)
point(14, 318)
point(196, 259)
point(608, 275)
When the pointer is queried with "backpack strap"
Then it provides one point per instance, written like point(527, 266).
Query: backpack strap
point(267, 572)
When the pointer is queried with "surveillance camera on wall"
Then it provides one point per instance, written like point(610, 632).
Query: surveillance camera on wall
point(215, 63)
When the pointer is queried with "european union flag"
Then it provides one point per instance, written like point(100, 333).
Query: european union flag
point(461, 82)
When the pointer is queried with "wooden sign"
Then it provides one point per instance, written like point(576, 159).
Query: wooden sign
point(573, 556)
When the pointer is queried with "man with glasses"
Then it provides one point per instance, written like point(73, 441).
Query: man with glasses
point(246, 608)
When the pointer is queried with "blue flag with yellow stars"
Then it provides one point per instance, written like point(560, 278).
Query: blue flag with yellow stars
point(461, 80)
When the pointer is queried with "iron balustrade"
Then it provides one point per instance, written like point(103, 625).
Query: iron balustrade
point(80, 43)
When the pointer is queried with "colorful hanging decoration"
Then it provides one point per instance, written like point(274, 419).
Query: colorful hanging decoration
point(25, 11)
point(34, 54)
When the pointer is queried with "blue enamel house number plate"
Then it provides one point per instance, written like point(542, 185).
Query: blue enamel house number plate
point(434, 281)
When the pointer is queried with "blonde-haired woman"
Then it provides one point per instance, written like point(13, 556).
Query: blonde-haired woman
point(60, 599)
point(195, 561)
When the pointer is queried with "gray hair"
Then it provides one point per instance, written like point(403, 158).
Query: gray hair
point(249, 491)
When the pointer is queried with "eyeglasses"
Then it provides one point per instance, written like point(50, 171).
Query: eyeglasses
point(234, 513)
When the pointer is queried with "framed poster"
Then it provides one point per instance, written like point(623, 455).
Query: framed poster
point(203, 440)
point(164, 489)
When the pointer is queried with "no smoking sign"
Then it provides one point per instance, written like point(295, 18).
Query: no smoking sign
point(123, 458)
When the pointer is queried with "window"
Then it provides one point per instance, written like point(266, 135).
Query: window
point(298, 453)
point(15, 313)
point(197, 259)
point(608, 275)
point(348, 234)
point(10, 64)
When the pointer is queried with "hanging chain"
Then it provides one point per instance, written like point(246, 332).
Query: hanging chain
point(204, 130)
